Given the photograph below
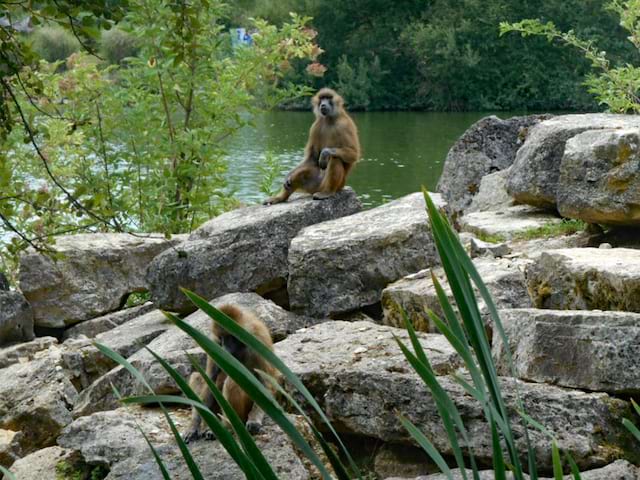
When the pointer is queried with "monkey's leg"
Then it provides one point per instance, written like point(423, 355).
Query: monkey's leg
point(334, 179)
point(199, 386)
point(306, 177)
point(237, 398)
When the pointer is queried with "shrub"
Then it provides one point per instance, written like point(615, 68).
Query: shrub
point(54, 43)
point(116, 45)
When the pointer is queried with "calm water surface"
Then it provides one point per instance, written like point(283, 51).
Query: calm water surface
point(401, 150)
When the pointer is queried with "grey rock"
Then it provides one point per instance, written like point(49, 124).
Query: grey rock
point(533, 179)
point(213, 461)
point(492, 194)
point(362, 387)
point(36, 398)
point(41, 465)
point(24, 352)
point(586, 279)
point(507, 223)
point(106, 438)
point(401, 460)
point(600, 177)
point(16, 318)
point(605, 246)
point(93, 275)
point(479, 248)
point(344, 264)
point(91, 328)
point(589, 350)
point(487, 146)
point(85, 363)
point(239, 251)
point(417, 294)
point(618, 470)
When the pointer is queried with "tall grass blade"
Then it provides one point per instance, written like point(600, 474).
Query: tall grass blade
point(556, 461)
point(222, 434)
point(186, 454)
point(427, 446)
point(498, 461)
point(248, 382)
point(238, 426)
point(249, 340)
point(7, 474)
point(632, 428)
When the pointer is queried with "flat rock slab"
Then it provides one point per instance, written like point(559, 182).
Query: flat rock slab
point(92, 276)
point(618, 470)
point(600, 177)
point(533, 178)
point(508, 222)
point(24, 352)
point(488, 145)
point(16, 318)
point(240, 251)
point(36, 398)
point(416, 294)
point(362, 386)
point(344, 264)
point(173, 345)
point(589, 350)
point(586, 279)
point(96, 326)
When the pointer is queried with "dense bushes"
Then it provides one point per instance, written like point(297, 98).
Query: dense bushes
point(116, 45)
point(54, 43)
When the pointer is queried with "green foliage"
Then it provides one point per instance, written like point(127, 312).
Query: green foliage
point(616, 87)
point(140, 148)
point(54, 43)
point(552, 229)
point(358, 84)
point(116, 45)
point(270, 171)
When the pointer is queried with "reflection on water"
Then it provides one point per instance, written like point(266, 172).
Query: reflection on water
point(401, 150)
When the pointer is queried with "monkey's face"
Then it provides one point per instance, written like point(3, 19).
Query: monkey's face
point(326, 106)
point(327, 103)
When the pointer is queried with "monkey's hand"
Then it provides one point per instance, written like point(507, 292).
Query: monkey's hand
point(325, 154)
point(191, 435)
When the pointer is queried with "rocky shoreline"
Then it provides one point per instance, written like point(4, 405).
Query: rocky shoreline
point(549, 208)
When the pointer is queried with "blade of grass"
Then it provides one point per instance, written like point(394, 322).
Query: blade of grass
point(250, 384)
point(7, 474)
point(238, 425)
point(575, 471)
point(222, 434)
point(335, 461)
point(632, 428)
point(427, 446)
point(186, 454)
point(498, 460)
point(557, 462)
point(249, 340)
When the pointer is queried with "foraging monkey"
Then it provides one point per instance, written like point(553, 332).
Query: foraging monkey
point(332, 150)
point(250, 413)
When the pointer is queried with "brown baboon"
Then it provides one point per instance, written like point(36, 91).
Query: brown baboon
point(332, 150)
point(251, 414)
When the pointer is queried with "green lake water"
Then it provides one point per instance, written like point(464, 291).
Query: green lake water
point(401, 150)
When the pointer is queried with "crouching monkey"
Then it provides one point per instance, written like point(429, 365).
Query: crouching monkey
point(251, 414)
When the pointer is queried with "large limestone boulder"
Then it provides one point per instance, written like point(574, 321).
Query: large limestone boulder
point(174, 346)
point(240, 251)
point(533, 179)
point(16, 318)
point(508, 222)
point(586, 279)
point(36, 398)
point(600, 177)
point(489, 145)
point(50, 463)
point(416, 294)
point(362, 388)
point(9, 447)
point(92, 275)
point(589, 350)
point(344, 264)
